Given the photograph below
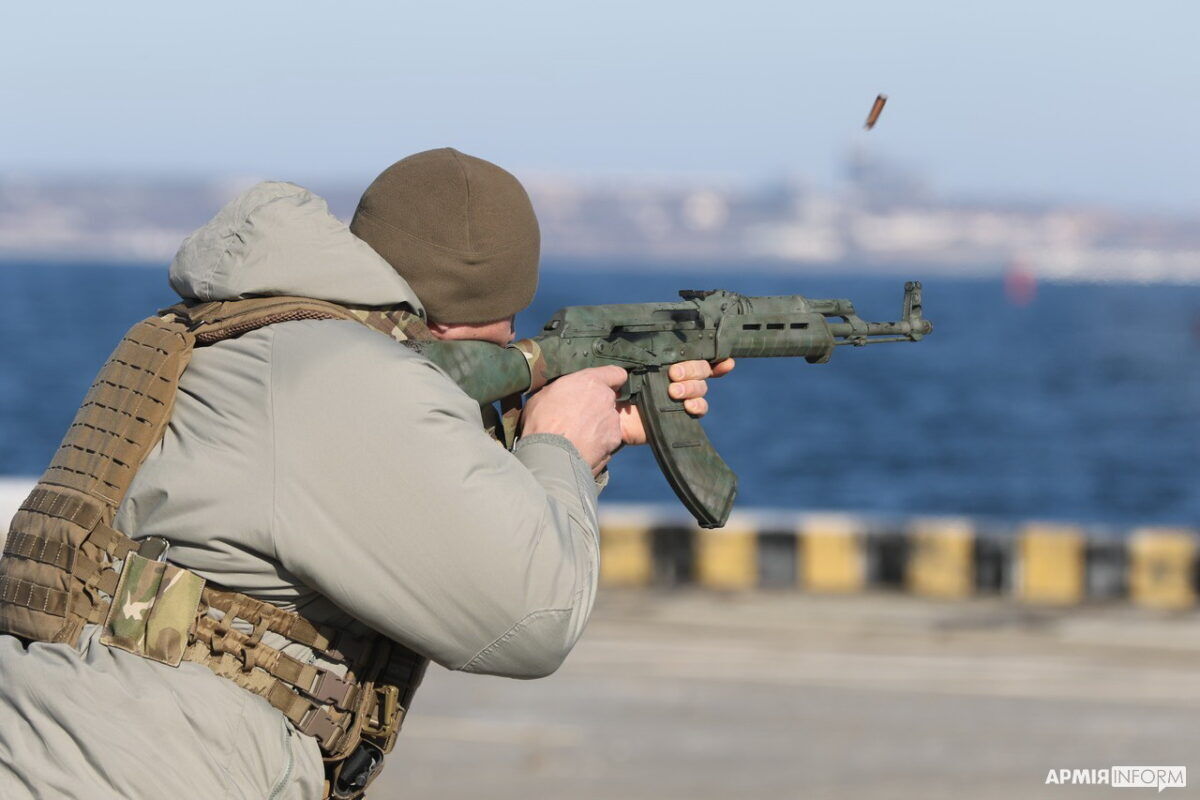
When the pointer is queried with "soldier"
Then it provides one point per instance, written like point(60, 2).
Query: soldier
point(317, 512)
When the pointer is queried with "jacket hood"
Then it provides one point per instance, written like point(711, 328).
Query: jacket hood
point(280, 239)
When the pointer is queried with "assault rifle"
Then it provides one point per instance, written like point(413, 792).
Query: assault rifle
point(646, 338)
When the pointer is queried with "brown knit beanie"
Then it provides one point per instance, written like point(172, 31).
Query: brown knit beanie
point(459, 229)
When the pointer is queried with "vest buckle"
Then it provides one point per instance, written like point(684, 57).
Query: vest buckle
point(383, 723)
point(330, 689)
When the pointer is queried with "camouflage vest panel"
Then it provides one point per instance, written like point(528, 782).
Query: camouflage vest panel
point(65, 566)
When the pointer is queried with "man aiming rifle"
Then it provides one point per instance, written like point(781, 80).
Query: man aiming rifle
point(284, 495)
point(232, 588)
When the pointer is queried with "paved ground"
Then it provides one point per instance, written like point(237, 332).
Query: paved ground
point(694, 695)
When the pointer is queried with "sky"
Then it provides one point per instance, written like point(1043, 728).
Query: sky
point(1090, 102)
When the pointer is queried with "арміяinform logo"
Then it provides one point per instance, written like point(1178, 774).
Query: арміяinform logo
point(1123, 777)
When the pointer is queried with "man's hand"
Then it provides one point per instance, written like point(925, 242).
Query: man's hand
point(688, 383)
point(582, 407)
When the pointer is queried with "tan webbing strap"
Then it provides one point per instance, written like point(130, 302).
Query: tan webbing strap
point(89, 611)
point(34, 596)
point(97, 614)
point(51, 601)
point(76, 510)
point(298, 629)
point(213, 322)
point(111, 541)
point(328, 726)
point(293, 706)
point(328, 729)
point(99, 577)
point(316, 683)
point(40, 548)
point(293, 626)
point(59, 554)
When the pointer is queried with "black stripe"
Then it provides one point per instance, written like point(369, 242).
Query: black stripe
point(674, 554)
point(777, 553)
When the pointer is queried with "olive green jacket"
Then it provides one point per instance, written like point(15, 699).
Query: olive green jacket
point(323, 467)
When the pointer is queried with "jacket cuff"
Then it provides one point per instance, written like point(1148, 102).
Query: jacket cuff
point(582, 470)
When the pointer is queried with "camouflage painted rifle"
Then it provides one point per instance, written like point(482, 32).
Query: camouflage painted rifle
point(646, 338)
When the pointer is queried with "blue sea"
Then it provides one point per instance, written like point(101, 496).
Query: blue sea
point(1083, 404)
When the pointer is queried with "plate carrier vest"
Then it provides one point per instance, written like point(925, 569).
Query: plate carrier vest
point(65, 566)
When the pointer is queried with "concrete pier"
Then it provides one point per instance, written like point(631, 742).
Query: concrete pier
point(691, 694)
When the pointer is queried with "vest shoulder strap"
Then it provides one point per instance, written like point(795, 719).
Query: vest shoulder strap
point(215, 321)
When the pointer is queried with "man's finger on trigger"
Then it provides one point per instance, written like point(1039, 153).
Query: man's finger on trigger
point(684, 390)
point(613, 376)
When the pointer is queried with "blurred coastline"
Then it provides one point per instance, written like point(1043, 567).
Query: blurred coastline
point(879, 217)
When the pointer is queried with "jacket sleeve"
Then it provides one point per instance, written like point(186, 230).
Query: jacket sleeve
point(391, 501)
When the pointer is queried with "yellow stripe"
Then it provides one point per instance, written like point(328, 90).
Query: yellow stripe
point(1162, 568)
point(940, 563)
point(1051, 566)
point(625, 557)
point(727, 558)
point(831, 554)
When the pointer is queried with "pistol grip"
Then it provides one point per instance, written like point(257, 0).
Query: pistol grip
point(703, 482)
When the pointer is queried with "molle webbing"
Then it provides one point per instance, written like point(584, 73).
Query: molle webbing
point(61, 547)
point(63, 560)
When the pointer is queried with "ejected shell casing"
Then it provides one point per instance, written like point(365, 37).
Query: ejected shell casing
point(876, 110)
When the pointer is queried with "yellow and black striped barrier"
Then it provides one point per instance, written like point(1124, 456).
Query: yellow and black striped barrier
point(1162, 568)
point(1041, 563)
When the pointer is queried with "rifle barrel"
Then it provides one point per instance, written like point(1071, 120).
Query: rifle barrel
point(902, 328)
